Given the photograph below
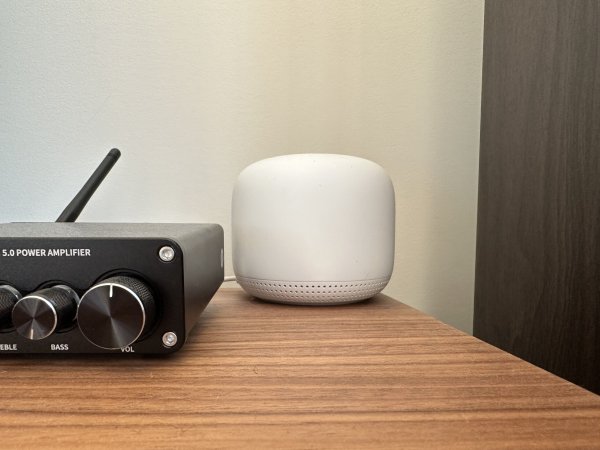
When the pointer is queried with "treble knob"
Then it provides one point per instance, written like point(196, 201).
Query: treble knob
point(8, 297)
point(38, 315)
point(116, 312)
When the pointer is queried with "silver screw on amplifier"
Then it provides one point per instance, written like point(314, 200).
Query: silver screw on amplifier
point(166, 253)
point(169, 339)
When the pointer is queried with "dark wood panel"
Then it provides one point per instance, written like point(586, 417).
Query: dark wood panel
point(537, 291)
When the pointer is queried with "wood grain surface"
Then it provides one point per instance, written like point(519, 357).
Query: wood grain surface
point(537, 289)
point(259, 375)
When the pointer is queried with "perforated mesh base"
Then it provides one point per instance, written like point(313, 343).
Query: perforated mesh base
point(312, 293)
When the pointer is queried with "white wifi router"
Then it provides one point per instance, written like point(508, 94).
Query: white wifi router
point(313, 229)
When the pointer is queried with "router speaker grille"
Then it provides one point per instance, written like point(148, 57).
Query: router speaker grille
point(313, 292)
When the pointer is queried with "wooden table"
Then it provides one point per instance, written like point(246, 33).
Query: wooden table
point(258, 375)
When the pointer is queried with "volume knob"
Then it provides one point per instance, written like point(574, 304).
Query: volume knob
point(116, 312)
point(37, 315)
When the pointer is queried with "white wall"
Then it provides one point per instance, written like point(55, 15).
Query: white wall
point(193, 91)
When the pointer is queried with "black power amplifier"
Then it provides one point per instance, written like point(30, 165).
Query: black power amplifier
point(96, 288)
point(104, 288)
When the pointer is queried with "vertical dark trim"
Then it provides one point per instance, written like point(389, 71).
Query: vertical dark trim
point(537, 289)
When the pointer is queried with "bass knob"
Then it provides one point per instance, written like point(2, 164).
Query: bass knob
point(36, 316)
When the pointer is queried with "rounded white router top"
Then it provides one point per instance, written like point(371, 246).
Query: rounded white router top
point(313, 218)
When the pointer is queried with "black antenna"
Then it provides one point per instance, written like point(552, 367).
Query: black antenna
point(73, 209)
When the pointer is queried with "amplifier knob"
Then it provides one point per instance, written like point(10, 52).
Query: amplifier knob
point(37, 315)
point(116, 312)
point(8, 297)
